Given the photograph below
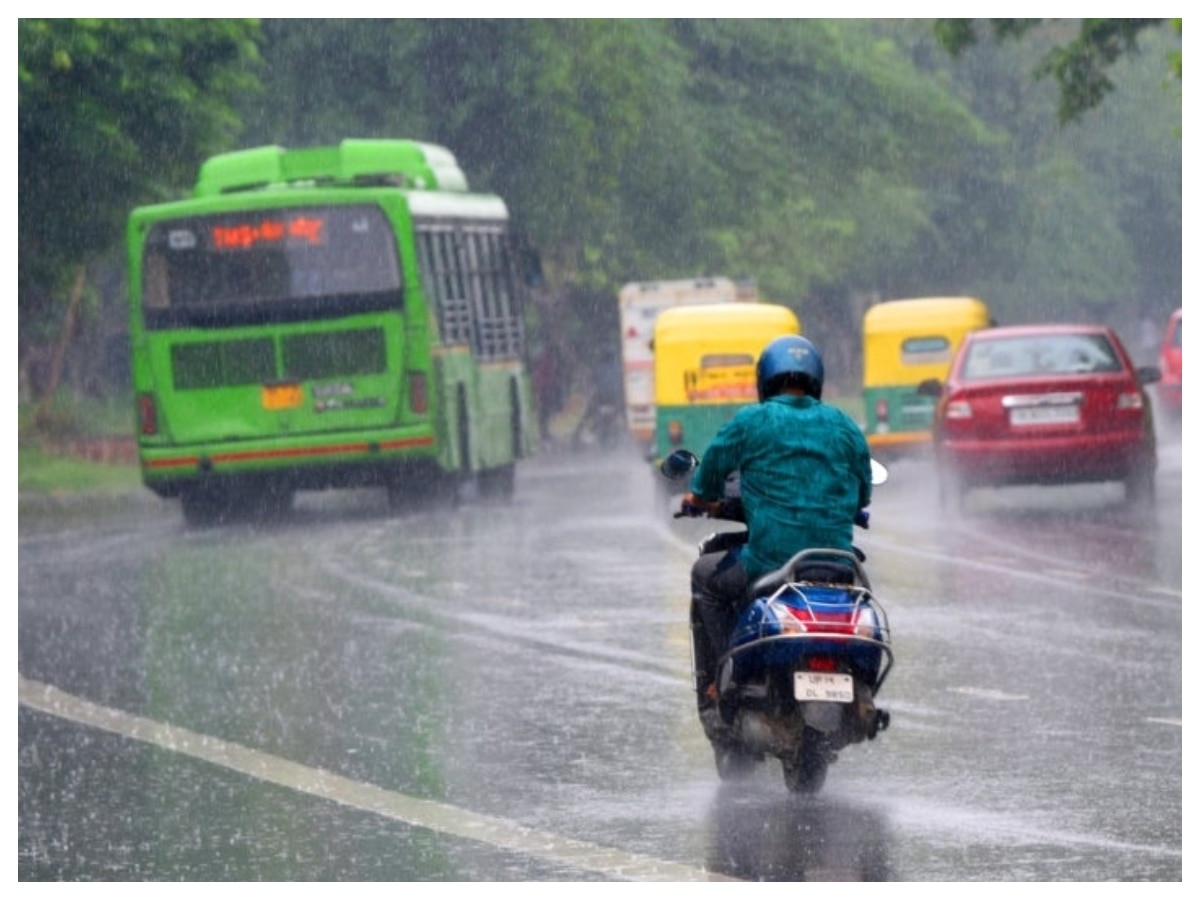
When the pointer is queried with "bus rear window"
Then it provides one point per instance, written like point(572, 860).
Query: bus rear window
point(272, 264)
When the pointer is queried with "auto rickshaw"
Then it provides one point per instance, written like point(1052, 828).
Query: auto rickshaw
point(704, 367)
point(906, 342)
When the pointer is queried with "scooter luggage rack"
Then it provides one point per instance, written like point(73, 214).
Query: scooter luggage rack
point(824, 629)
point(847, 638)
point(844, 631)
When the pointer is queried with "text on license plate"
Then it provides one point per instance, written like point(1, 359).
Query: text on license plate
point(832, 687)
point(1045, 415)
point(281, 396)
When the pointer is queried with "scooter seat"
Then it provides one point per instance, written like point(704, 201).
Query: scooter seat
point(814, 571)
point(824, 573)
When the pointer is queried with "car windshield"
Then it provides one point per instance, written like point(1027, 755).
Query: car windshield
point(1057, 354)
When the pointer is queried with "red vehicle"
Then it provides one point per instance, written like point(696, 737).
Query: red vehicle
point(1044, 404)
point(1170, 389)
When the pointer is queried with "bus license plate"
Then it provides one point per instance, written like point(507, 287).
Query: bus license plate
point(830, 687)
point(282, 396)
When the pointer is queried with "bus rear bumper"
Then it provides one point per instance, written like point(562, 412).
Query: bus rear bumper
point(298, 464)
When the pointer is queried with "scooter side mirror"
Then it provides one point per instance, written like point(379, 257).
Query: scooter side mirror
point(679, 464)
point(879, 472)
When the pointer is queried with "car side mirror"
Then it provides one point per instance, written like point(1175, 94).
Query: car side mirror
point(1148, 374)
point(930, 387)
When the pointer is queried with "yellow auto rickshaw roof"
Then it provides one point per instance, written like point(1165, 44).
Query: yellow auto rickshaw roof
point(901, 337)
point(724, 323)
point(707, 354)
point(925, 313)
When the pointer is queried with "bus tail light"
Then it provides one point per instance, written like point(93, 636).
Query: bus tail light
point(147, 414)
point(418, 393)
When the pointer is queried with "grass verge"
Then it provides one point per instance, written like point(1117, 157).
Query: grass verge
point(42, 471)
point(50, 436)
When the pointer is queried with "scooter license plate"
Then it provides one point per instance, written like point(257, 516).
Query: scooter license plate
point(830, 687)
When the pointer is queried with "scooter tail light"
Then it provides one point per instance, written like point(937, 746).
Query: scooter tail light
point(866, 623)
point(821, 664)
point(787, 619)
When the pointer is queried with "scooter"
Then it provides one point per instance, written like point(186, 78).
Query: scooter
point(805, 659)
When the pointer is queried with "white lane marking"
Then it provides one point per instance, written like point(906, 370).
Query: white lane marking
point(995, 830)
point(1073, 574)
point(991, 694)
point(1156, 595)
point(987, 693)
point(434, 816)
point(1012, 569)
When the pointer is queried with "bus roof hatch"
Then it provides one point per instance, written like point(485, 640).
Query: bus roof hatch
point(408, 164)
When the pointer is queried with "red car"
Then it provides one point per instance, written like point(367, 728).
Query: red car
point(1043, 404)
point(1170, 389)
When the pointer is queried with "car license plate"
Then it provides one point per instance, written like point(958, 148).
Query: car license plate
point(281, 396)
point(830, 687)
point(1044, 415)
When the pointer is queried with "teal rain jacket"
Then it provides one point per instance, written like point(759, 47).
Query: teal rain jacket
point(805, 470)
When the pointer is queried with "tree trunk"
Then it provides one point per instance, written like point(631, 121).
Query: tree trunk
point(64, 340)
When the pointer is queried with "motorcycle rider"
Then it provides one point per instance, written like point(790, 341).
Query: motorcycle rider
point(804, 469)
point(603, 414)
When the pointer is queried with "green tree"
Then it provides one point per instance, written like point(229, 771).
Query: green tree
point(1134, 151)
point(1094, 210)
point(833, 161)
point(837, 162)
point(111, 112)
point(327, 79)
point(1080, 65)
point(564, 118)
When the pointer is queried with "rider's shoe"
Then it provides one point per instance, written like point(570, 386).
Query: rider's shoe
point(715, 726)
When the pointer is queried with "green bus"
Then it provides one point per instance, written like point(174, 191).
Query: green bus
point(332, 317)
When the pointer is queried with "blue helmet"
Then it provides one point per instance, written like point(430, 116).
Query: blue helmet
point(790, 361)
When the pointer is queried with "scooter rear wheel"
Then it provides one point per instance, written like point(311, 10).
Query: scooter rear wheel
point(733, 761)
point(806, 773)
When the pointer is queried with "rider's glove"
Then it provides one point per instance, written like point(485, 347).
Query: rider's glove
point(862, 519)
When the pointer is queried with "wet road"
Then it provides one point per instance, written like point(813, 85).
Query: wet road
point(501, 693)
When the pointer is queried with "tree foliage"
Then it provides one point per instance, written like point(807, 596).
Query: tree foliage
point(110, 113)
point(833, 161)
point(1081, 66)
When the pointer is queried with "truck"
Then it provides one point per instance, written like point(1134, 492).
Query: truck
point(640, 303)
